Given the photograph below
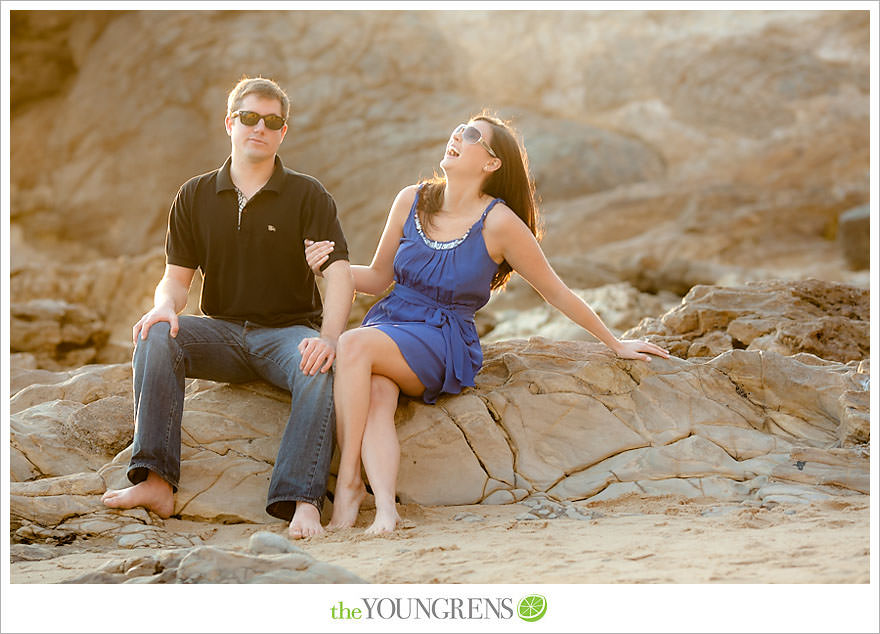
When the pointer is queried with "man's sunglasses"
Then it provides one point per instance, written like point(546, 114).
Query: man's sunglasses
point(470, 134)
point(272, 121)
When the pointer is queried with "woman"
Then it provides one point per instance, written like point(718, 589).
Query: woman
point(447, 243)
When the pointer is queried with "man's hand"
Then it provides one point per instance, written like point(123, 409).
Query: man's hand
point(169, 298)
point(159, 313)
point(316, 351)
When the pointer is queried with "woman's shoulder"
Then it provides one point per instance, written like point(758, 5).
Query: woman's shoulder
point(410, 191)
point(406, 196)
point(500, 217)
point(403, 202)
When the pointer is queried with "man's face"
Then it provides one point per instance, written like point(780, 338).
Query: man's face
point(256, 143)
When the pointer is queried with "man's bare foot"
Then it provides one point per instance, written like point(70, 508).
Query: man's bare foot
point(346, 503)
point(386, 521)
point(306, 521)
point(154, 494)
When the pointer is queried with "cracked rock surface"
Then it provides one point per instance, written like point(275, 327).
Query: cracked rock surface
point(565, 419)
point(568, 419)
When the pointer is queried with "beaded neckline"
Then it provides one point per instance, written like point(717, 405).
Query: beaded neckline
point(440, 246)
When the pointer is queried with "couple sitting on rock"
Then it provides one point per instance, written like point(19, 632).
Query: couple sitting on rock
point(447, 243)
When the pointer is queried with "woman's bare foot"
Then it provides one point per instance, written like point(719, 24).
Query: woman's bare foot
point(346, 503)
point(154, 494)
point(386, 521)
point(306, 521)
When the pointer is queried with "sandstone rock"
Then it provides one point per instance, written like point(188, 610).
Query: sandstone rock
point(652, 169)
point(266, 543)
point(651, 273)
point(48, 48)
point(499, 496)
point(620, 306)
point(130, 529)
point(83, 385)
point(543, 507)
point(95, 577)
point(620, 98)
point(51, 510)
point(66, 333)
point(86, 483)
point(569, 158)
point(672, 236)
point(30, 552)
point(62, 437)
point(105, 426)
point(564, 148)
point(430, 441)
point(140, 536)
point(577, 271)
point(96, 288)
point(825, 319)
point(567, 419)
point(710, 345)
point(38, 445)
point(855, 421)
point(212, 565)
point(728, 420)
point(66, 507)
point(854, 236)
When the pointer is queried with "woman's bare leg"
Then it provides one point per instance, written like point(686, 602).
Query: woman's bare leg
point(381, 452)
point(360, 353)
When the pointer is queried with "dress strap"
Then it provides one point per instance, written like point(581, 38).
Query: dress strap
point(412, 210)
point(412, 219)
point(489, 207)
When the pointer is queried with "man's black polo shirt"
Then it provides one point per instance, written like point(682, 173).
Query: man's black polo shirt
point(258, 271)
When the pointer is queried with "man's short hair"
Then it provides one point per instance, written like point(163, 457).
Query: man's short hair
point(257, 86)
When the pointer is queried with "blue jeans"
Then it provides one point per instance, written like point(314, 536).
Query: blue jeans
point(218, 350)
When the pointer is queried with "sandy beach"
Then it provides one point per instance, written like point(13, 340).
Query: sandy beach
point(630, 540)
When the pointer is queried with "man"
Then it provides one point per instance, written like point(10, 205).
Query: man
point(243, 226)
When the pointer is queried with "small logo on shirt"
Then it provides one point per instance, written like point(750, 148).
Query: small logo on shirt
point(270, 227)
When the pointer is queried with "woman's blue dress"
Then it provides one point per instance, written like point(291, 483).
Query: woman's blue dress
point(430, 312)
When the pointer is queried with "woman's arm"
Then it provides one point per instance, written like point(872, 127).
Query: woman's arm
point(375, 278)
point(509, 237)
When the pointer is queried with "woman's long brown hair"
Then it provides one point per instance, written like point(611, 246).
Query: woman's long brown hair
point(512, 182)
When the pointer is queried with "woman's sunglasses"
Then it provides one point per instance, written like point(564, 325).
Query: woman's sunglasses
point(470, 134)
point(273, 121)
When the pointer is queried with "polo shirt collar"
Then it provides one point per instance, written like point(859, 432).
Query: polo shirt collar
point(275, 182)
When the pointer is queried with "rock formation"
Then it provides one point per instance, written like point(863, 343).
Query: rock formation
point(620, 306)
point(270, 558)
point(69, 315)
point(562, 418)
point(653, 166)
point(854, 236)
point(831, 321)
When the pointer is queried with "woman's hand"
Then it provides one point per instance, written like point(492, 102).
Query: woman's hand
point(317, 253)
point(636, 349)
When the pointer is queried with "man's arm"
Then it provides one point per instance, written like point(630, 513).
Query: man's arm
point(377, 277)
point(338, 297)
point(319, 353)
point(168, 300)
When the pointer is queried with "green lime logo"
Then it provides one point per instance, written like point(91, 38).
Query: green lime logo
point(532, 608)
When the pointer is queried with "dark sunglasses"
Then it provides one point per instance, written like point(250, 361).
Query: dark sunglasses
point(273, 121)
point(470, 134)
